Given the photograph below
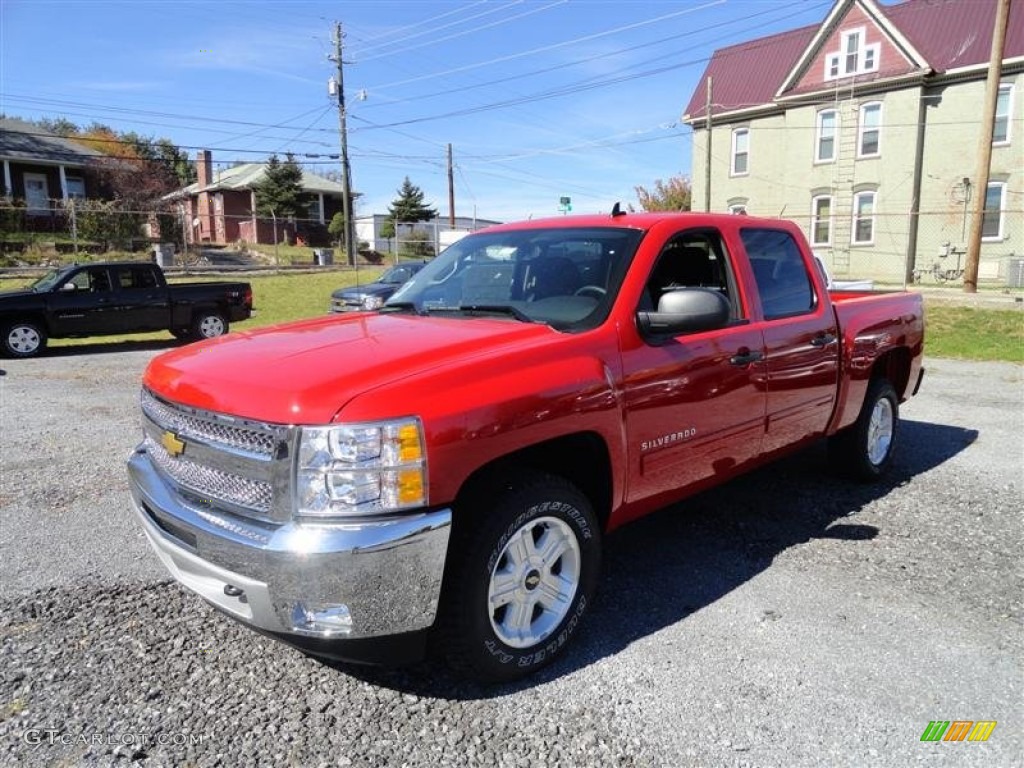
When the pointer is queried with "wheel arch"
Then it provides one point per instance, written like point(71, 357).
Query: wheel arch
point(582, 458)
point(32, 316)
point(894, 365)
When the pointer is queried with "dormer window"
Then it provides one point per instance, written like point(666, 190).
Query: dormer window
point(854, 57)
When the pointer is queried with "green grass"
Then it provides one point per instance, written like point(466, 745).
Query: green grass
point(952, 331)
point(276, 298)
point(972, 333)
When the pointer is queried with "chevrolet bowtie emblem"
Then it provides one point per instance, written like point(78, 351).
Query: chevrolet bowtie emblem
point(172, 444)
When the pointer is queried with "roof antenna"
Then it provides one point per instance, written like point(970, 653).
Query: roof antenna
point(617, 211)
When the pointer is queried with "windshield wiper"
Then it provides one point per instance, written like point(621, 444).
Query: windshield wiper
point(405, 305)
point(502, 309)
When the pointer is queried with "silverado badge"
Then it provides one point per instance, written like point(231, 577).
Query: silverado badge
point(172, 444)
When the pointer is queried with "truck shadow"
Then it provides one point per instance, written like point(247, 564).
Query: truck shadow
point(109, 347)
point(662, 568)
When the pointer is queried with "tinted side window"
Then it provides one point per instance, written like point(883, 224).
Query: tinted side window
point(99, 281)
point(135, 278)
point(779, 271)
point(692, 259)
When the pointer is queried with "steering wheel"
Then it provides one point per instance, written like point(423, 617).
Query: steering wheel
point(595, 289)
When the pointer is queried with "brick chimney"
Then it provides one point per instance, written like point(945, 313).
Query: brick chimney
point(204, 173)
point(204, 167)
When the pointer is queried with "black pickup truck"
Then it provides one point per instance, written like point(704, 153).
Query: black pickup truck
point(115, 298)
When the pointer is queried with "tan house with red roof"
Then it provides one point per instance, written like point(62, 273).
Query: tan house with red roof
point(865, 128)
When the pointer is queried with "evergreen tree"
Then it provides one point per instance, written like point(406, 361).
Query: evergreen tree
point(387, 231)
point(280, 193)
point(408, 207)
point(336, 229)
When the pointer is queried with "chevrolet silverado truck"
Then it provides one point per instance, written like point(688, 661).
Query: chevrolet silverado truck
point(358, 298)
point(101, 299)
point(436, 477)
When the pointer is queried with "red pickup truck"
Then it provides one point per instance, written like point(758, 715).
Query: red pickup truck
point(445, 468)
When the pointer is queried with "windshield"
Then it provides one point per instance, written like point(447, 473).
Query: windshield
point(398, 275)
point(47, 281)
point(566, 277)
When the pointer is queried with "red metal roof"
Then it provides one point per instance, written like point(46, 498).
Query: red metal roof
point(749, 74)
point(956, 33)
point(950, 34)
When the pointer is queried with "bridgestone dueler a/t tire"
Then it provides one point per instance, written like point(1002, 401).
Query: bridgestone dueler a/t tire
point(519, 509)
point(857, 451)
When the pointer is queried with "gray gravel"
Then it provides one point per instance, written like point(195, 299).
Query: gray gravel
point(787, 619)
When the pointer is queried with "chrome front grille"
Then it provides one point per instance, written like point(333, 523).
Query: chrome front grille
point(221, 430)
point(240, 466)
point(211, 485)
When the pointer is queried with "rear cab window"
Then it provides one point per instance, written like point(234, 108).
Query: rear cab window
point(135, 278)
point(780, 272)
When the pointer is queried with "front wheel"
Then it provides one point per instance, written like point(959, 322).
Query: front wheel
point(24, 339)
point(209, 325)
point(864, 450)
point(522, 578)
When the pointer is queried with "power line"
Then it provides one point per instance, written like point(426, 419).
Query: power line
point(474, 30)
point(390, 43)
point(428, 20)
point(545, 49)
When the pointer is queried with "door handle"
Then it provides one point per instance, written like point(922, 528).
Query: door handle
point(746, 357)
point(823, 340)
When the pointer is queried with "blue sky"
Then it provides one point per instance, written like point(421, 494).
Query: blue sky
point(539, 98)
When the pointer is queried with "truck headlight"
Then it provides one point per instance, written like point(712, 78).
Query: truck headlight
point(373, 302)
point(361, 469)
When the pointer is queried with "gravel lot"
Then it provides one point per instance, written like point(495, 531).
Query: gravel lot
point(787, 619)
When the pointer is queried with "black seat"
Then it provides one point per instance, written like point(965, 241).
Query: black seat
point(552, 276)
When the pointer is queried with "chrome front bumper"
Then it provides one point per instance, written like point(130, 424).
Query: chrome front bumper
point(372, 578)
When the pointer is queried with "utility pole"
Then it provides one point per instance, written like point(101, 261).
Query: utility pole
point(451, 191)
point(707, 153)
point(995, 64)
point(346, 173)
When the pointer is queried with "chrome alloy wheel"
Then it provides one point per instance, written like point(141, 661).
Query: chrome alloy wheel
point(534, 582)
point(23, 340)
point(880, 431)
point(211, 326)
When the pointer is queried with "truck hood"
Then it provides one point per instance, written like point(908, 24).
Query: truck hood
point(304, 373)
point(17, 294)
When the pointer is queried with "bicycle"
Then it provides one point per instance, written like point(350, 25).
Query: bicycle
point(938, 270)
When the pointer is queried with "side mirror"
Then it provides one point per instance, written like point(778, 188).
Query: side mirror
point(69, 287)
point(686, 310)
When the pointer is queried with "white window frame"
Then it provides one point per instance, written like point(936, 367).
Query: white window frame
point(861, 130)
point(737, 132)
point(37, 211)
point(837, 62)
point(857, 217)
point(75, 194)
point(832, 66)
point(819, 135)
point(816, 219)
point(1005, 117)
point(1001, 235)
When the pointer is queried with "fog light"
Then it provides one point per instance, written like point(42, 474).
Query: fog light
point(322, 619)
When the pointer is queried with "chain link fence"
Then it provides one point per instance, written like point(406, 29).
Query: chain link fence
point(890, 249)
point(79, 226)
point(930, 247)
